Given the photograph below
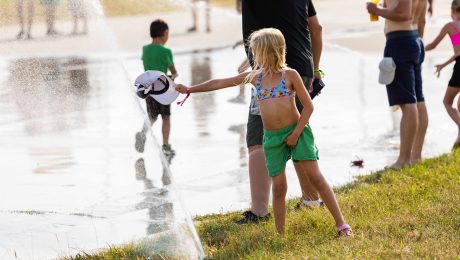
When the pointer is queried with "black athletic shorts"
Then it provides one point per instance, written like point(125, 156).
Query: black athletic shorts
point(455, 80)
point(154, 108)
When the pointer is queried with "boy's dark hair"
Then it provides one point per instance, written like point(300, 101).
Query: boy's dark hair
point(158, 28)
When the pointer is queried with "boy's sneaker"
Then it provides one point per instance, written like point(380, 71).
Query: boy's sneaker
point(140, 142)
point(250, 217)
point(167, 150)
point(308, 204)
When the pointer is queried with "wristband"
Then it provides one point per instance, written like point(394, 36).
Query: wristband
point(320, 72)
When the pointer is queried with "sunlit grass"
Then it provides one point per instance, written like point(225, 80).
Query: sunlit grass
point(408, 214)
point(412, 213)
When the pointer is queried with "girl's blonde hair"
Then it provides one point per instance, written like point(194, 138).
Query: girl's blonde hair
point(269, 52)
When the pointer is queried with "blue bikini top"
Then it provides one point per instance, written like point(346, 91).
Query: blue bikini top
point(279, 91)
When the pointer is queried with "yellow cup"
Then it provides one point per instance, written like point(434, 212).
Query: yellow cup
point(374, 18)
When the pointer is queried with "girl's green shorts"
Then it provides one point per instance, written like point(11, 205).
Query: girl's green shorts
point(277, 152)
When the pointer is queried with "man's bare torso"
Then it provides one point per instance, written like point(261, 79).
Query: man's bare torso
point(418, 9)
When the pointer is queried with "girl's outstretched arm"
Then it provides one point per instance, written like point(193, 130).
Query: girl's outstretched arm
point(213, 84)
point(305, 99)
point(438, 39)
point(439, 67)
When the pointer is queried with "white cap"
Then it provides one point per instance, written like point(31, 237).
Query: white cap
point(387, 71)
point(157, 85)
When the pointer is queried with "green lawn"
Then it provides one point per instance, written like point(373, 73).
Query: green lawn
point(411, 213)
point(111, 8)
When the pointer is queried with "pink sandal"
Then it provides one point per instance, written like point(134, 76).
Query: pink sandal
point(344, 230)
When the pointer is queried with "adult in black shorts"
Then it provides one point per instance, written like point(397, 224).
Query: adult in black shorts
point(295, 19)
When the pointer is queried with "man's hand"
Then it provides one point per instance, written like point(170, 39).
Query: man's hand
point(181, 89)
point(372, 8)
point(292, 140)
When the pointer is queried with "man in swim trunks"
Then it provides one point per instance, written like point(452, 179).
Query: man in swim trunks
point(404, 27)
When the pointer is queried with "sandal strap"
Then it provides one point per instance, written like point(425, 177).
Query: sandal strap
point(343, 227)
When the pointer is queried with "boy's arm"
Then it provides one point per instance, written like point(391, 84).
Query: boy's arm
point(213, 84)
point(173, 72)
point(304, 98)
point(399, 13)
point(438, 39)
point(171, 66)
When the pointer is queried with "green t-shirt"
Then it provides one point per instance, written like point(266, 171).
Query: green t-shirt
point(157, 57)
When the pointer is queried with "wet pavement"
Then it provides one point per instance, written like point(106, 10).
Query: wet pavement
point(71, 179)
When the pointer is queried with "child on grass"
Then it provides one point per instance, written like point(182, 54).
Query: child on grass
point(156, 57)
point(453, 30)
point(286, 132)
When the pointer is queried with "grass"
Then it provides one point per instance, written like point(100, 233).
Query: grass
point(111, 8)
point(411, 213)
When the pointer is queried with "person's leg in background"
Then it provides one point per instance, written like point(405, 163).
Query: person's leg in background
point(30, 17)
point(259, 181)
point(420, 134)
point(152, 111)
point(208, 16)
point(416, 155)
point(408, 130)
point(194, 16)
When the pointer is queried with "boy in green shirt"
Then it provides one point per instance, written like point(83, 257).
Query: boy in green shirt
point(156, 57)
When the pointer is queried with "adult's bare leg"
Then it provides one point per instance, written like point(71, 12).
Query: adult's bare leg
point(30, 17)
point(408, 129)
point(259, 181)
point(19, 9)
point(416, 155)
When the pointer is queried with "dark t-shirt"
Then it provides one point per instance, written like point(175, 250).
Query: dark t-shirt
point(291, 18)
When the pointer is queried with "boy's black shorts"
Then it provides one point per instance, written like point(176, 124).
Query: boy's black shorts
point(154, 108)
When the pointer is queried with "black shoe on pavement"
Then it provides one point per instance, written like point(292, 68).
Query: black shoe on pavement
point(250, 217)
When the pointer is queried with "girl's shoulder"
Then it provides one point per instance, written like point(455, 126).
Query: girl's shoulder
point(452, 27)
point(289, 72)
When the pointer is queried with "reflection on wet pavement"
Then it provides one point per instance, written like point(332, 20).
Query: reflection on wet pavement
point(69, 125)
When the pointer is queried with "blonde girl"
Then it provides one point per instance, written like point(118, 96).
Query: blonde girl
point(287, 133)
point(453, 30)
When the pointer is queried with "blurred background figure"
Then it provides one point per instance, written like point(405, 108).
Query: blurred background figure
point(50, 12)
point(29, 4)
point(194, 27)
point(240, 98)
point(78, 10)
